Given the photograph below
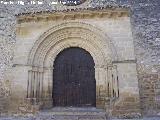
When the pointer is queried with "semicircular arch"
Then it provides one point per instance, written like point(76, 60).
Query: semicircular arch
point(80, 32)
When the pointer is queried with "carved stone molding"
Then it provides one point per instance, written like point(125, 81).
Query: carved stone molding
point(69, 34)
point(73, 15)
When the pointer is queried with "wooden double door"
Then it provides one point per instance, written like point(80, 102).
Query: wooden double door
point(74, 79)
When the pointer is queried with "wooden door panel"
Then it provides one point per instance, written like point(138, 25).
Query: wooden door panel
point(74, 79)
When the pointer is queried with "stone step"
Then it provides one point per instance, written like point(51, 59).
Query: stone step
point(69, 113)
point(74, 111)
point(92, 117)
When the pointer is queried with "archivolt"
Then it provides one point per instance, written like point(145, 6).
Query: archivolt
point(70, 34)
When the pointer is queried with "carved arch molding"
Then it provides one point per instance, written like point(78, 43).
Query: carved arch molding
point(65, 35)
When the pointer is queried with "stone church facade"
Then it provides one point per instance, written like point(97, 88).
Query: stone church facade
point(105, 33)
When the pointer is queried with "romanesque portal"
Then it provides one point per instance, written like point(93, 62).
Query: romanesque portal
point(93, 54)
point(101, 71)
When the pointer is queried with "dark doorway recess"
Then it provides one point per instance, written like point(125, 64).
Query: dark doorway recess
point(74, 79)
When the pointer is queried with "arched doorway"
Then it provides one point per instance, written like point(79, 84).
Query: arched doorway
point(46, 50)
point(74, 81)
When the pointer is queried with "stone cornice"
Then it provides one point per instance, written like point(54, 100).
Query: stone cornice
point(72, 15)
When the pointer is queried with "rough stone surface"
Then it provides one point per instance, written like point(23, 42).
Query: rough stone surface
point(145, 22)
